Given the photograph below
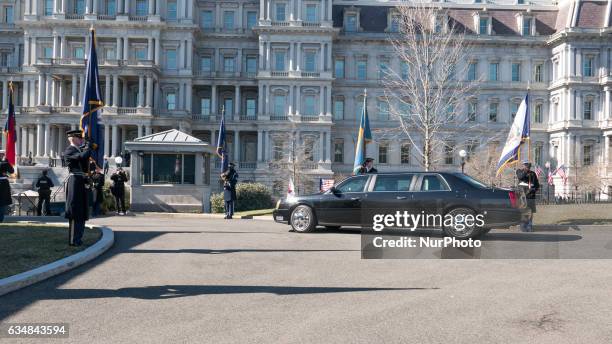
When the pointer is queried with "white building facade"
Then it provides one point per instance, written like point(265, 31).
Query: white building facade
point(295, 70)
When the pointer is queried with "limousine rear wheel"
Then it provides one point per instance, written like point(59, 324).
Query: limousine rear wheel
point(303, 219)
point(459, 230)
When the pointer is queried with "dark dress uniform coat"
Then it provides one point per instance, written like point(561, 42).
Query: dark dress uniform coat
point(529, 178)
point(229, 187)
point(5, 186)
point(77, 200)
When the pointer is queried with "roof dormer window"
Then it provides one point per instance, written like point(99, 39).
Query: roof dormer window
point(351, 20)
point(525, 24)
point(482, 23)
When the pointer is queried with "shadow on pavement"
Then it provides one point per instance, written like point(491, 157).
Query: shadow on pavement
point(237, 250)
point(175, 291)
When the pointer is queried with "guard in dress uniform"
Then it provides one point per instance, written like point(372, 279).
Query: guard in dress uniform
point(528, 181)
point(77, 156)
point(367, 167)
point(5, 186)
point(230, 179)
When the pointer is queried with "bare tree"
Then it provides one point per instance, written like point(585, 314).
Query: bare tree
point(427, 93)
point(292, 159)
point(482, 165)
point(589, 179)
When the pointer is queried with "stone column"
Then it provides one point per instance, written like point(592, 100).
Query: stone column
point(106, 139)
point(39, 140)
point(115, 90)
point(107, 90)
point(213, 100)
point(81, 89)
point(321, 58)
point(237, 102)
point(321, 146)
point(4, 94)
point(41, 93)
point(18, 144)
point(261, 9)
point(118, 49)
point(328, 144)
point(140, 91)
point(236, 146)
point(150, 48)
point(299, 57)
point(140, 130)
point(124, 93)
point(322, 91)
point(49, 91)
point(126, 48)
point(26, 49)
point(149, 92)
point(55, 43)
point(73, 94)
point(47, 142)
point(114, 143)
point(24, 141)
point(189, 54)
point(126, 9)
point(606, 162)
point(151, 7)
point(259, 145)
point(148, 130)
point(33, 51)
point(157, 48)
point(188, 94)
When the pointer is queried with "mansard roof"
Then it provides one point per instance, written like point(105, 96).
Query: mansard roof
point(584, 14)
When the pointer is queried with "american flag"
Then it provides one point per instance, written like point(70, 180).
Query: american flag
point(538, 172)
point(561, 172)
point(325, 184)
point(550, 177)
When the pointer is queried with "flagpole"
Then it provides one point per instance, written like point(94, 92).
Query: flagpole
point(529, 123)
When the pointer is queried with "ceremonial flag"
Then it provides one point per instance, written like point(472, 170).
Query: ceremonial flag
point(221, 151)
point(92, 102)
point(538, 172)
point(325, 184)
point(364, 136)
point(290, 189)
point(562, 173)
point(550, 177)
point(9, 129)
point(519, 133)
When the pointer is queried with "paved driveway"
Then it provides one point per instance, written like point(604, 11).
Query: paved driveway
point(170, 280)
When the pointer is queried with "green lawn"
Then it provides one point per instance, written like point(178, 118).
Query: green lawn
point(574, 214)
point(259, 212)
point(26, 246)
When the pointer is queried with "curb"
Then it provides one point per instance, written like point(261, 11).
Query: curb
point(205, 216)
point(27, 278)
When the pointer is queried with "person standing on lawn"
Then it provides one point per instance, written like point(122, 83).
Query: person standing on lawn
point(5, 187)
point(44, 185)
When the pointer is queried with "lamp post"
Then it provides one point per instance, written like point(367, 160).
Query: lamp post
point(547, 165)
point(462, 154)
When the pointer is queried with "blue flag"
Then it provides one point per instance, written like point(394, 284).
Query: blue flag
point(364, 136)
point(92, 102)
point(221, 150)
point(519, 134)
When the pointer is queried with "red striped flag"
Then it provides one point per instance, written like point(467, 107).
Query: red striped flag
point(538, 172)
point(9, 129)
point(562, 173)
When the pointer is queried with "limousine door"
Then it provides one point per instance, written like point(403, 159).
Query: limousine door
point(389, 194)
point(343, 208)
point(432, 193)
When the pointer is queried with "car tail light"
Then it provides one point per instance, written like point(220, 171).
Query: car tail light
point(513, 199)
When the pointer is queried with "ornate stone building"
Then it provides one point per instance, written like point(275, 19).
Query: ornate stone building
point(293, 72)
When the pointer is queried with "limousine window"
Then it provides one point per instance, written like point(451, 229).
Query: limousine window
point(473, 182)
point(393, 183)
point(353, 185)
point(433, 183)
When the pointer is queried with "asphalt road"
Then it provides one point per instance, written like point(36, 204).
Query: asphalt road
point(170, 280)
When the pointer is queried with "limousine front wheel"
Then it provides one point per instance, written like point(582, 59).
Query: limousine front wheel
point(302, 219)
point(460, 228)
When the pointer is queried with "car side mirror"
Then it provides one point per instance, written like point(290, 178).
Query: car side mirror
point(334, 190)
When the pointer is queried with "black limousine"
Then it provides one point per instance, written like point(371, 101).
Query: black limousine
point(356, 201)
